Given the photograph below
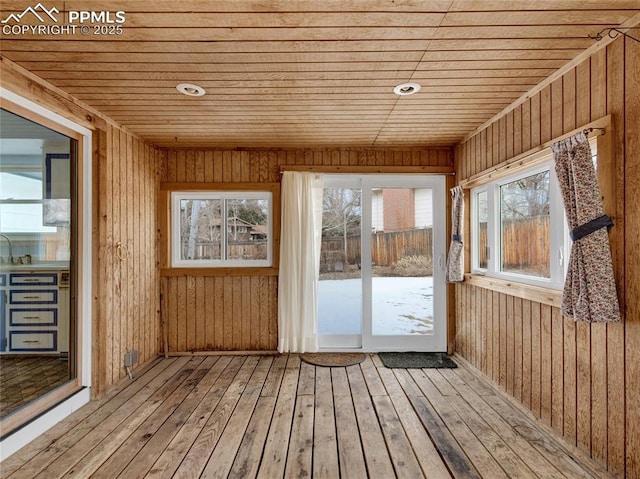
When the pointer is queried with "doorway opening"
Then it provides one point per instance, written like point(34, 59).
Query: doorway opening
point(382, 275)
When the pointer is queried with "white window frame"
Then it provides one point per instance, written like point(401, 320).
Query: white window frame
point(559, 235)
point(178, 262)
point(475, 234)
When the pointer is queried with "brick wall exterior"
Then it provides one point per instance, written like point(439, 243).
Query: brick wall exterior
point(399, 209)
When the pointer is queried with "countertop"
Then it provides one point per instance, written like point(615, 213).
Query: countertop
point(38, 266)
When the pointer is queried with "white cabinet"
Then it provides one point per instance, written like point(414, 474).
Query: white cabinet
point(36, 312)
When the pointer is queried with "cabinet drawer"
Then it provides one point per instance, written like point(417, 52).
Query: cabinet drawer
point(30, 341)
point(30, 279)
point(33, 317)
point(33, 296)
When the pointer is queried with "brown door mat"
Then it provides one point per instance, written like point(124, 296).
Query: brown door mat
point(333, 360)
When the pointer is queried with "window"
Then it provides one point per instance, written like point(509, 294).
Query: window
point(518, 228)
point(481, 218)
point(221, 229)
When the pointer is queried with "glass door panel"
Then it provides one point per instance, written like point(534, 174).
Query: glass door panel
point(37, 248)
point(407, 264)
point(340, 286)
point(402, 263)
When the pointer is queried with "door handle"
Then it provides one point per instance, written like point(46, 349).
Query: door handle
point(441, 262)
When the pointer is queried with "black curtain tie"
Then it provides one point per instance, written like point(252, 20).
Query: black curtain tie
point(592, 226)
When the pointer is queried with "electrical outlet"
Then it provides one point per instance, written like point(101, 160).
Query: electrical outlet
point(130, 358)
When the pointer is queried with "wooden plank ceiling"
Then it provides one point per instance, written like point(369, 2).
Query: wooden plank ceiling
point(312, 73)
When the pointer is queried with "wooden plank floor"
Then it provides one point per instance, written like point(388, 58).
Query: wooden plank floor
point(26, 378)
point(275, 416)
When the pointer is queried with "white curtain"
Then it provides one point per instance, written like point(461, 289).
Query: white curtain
point(300, 238)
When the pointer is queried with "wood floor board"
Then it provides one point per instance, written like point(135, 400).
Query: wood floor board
point(300, 457)
point(108, 457)
point(404, 460)
point(104, 421)
point(373, 443)
point(196, 459)
point(427, 454)
point(350, 454)
point(270, 417)
point(325, 440)
point(245, 463)
point(221, 459)
point(374, 383)
point(118, 460)
point(540, 440)
point(223, 372)
point(276, 444)
point(540, 463)
point(473, 447)
point(82, 419)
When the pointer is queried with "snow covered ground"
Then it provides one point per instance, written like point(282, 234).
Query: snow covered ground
point(400, 306)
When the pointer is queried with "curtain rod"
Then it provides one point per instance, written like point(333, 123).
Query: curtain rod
point(613, 32)
point(436, 170)
point(595, 128)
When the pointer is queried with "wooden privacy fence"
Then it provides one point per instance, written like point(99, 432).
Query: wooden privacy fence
point(237, 250)
point(386, 248)
point(525, 245)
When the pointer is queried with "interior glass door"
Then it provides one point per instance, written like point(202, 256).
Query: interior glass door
point(340, 289)
point(382, 276)
point(38, 234)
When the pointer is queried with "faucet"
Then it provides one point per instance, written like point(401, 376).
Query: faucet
point(10, 247)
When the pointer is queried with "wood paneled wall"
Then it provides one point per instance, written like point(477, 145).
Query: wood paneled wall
point(126, 259)
point(581, 379)
point(240, 312)
point(125, 181)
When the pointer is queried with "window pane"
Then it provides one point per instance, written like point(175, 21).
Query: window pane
point(524, 217)
point(20, 185)
point(483, 217)
point(340, 286)
point(200, 227)
point(247, 229)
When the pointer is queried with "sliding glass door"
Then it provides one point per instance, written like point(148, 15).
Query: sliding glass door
point(382, 263)
point(39, 342)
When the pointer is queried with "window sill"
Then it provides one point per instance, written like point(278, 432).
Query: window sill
point(538, 294)
point(257, 271)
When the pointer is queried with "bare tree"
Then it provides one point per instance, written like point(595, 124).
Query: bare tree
point(527, 197)
point(200, 223)
point(341, 213)
point(193, 229)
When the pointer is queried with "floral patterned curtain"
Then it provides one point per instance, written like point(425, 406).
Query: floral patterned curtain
point(589, 289)
point(455, 262)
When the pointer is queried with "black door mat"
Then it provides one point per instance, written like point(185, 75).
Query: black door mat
point(333, 360)
point(416, 360)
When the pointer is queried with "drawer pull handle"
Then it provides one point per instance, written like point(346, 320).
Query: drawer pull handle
point(32, 341)
point(32, 297)
point(32, 317)
point(31, 280)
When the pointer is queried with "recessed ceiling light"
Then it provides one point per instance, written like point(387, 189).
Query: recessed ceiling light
point(406, 89)
point(190, 89)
